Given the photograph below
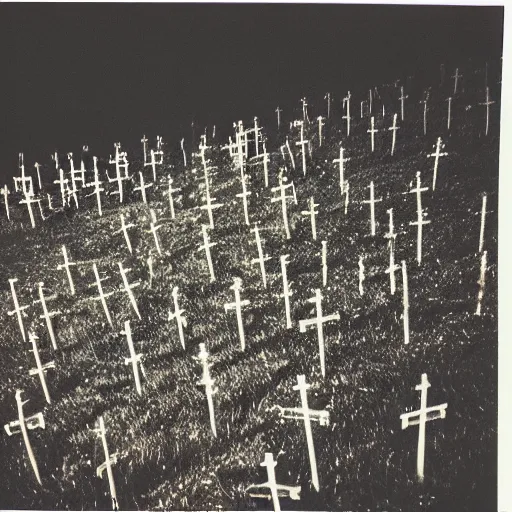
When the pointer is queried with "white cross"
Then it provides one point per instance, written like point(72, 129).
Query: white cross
point(278, 110)
point(302, 143)
point(210, 206)
point(361, 276)
point(487, 103)
point(119, 161)
point(40, 369)
point(37, 166)
point(257, 131)
point(318, 321)
point(24, 425)
point(101, 296)
point(178, 315)
point(421, 221)
point(370, 101)
point(290, 152)
point(347, 187)
point(142, 187)
point(152, 163)
point(391, 235)
point(305, 116)
point(482, 222)
point(17, 308)
point(283, 197)
point(394, 128)
point(287, 292)
point(372, 202)
point(456, 77)
point(5, 192)
point(244, 194)
point(182, 143)
point(97, 186)
point(27, 187)
point(72, 191)
point(265, 160)
point(77, 175)
point(206, 248)
point(420, 417)
point(324, 263)
point(135, 359)
point(328, 98)
point(29, 200)
point(153, 228)
point(261, 257)
point(405, 315)
point(63, 184)
point(346, 102)
point(439, 145)
point(129, 287)
point(124, 230)
point(208, 383)
point(237, 306)
point(481, 282)
point(362, 105)
point(47, 315)
point(372, 131)
point(107, 465)
point(320, 120)
point(449, 117)
point(425, 107)
point(145, 148)
point(341, 162)
point(312, 213)
point(169, 192)
point(66, 266)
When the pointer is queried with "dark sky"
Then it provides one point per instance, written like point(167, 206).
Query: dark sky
point(75, 73)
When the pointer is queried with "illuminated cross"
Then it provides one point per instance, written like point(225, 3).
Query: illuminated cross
point(97, 186)
point(312, 213)
point(129, 287)
point(394, 128)
point(261, 257)
point(372, 131)
point(135, 359)
point(237, 306)
point(421, 221)
point(420, 418)
point(142, 187)
point(372, 202)
point(206, 248)
point(436, 156)
point(18, 310)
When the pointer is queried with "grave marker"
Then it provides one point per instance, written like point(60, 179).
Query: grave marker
point(420, 417)
point(320, 125)
point(101, 296)
point(481, 282)
point(109, 461)
point(29, 201)
point(66, 266)
point(18, 310)
point(346, 103)
point(391, 235)
point(261, 257)
point(290, 152)
point(402, 98)
point(142, 188)
point(237, 306)
point(135, 359)
point(456, 77)
point(341, 161)
point(97, 186)
point(372, 202)
point(487, 103)
point(283, 197)
point(169, 195)
point(372, 131)
point(305, 116)
point(482, 222)
point(152, 163)
point(287, 292)
point(47, 315)
point(405, 315)
point(278, 110)
point(312, 214)
point(210, 206)
point(24, 425)
point(206, 248)
point(120, 161)
point(394, 128)
point(124, 230)
point(5, 192)
point(178, 315)
point(39, 182)
point(129, 287)
point(439, 145)
point(421, 221)
point(40, 369)
point(324, 263)
point(244, 194)
point(425, 107)
point(154, 227)
point(449, 116)
point(361, 276)
point(63, 185)
point(328, 98)
point(318, 321)
point(145, 148)
point(347, 187)
point(208, 383)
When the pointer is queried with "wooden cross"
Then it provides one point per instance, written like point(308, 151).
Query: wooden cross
point(47, 315)
point(5, 192)
point(391, 236)
point(63, 184)
point(449, 117)
point(287, 292)
point(361, 276)
point(346, 102)
point(109, 461)
point(208, 384)
point(320, 125)
point(178, 315)
point(324, 263)
point(292, 492)
point(237, 306)
point(318, 321)
point(135, 359)
point(305, 116)
point(456, 77)
point(124, 230)
point(302, 143)
point(37, 166)
point(27, 186)
point(66, 265)
point(206, 248)
point(283, 197)
point(261, 257)
point(40, 369)
point(312, 213)
point(439, 145)
point(372, 131)
point(182, 143)
point(77, 175)
point(145, 148)
point(29, 201)
point(487, 103)
point(72, 191)
point(244, 194)
point(481, 282)
point(341, 162)
point(290, 152)
point(153, 229)
point(119, 161)
point(307, 415)
point(129, 287)
point(405, 315)
point(257, 131)
point(152, 163)
point(142, 188)
point(23, 425)
point(265, 160)
point(101, 295)
point(393, 128)
point(18, 310)
point(421, 221)
point(97, 186)
point(420, 418)
point(169, 192)
point(210, 206)
point(372, 202)
point(278, 110)
point(482, 222)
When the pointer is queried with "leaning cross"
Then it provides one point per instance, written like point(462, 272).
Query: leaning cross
point(40, 369)
point(421, 221)
point(134, 359)
point(153, 228)
point(97, 186)
point(210, 206)
point(341, 162)
point(302, 143)
point(312, 213)
point(287, 292)
point(244, 194)
point(420, 417)
point(142, 187)
point(318, 321)
point(178, 315)
point(487, 103)
point(107, 465)
point(47, 315)
point(63, 184)
point(456, 77)
point(394, 128)
point(127, 287)
point(29, 201)
point(372, 131)
point(439, 145)
point(206, 248)
point(124, 230)
point(17, 308)
point(66, 266)
point(283, 197)
point(391, 236)
point(102, 296)
point(261, 257)
point(169, 193)
point(208, 383)
point(237, 306)
point(372, 202)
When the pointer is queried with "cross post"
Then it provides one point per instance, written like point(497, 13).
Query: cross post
point(237, 306)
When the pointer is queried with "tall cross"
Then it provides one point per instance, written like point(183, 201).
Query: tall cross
point(119, 161)
point(144, 141)
point(487, 103)
point(109, 461)
point(47, 315)
point(257, 131)
point(97, 186)
point(405, 315)
point(244, 194)
point(402, 99)
point(142, 187)
point(66, 265)
point(421, 221)
point(63, 184)
point(482, 222)
point(302, 143)
point(283, 198)
point(372, 131)
point(40, 369)
point(210, 206)
point(23, 425)
point(128, 288)
point(456, 77)
point(305, 116)
point(393, 128)
point(318, 321)
point(324, 263)
point(77, 175)
point(346, 103)
point(5, 192)
point(372, 202)
point(208, 384)
point(265, 160)
point(481, 282)
point(321, 124)
point(101, 295)
point(449, 116)
point(27, 186)
point(341, 161)
point(170, 191)
point(152, 163)
point(439, 145)
point(237, 306)
point(182, 144)
point(290, 152)
point(278, 111)
point(29, 201)
point(261, 257)
point(312, 213)
point(206, 248)
point(124, 230)
point(18, 310)
point(391, 236)
point(178, 315)
point(135, 359)
point(287, 292)
point(420, 418)
point(425, 108)
point(153, 228)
